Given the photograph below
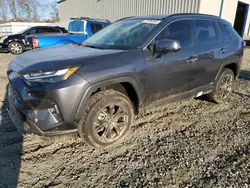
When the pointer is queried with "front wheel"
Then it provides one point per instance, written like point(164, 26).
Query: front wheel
point(16, 48)
point(223, 87)
point(107, 119)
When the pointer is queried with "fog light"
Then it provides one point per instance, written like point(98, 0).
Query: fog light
point(55, 112)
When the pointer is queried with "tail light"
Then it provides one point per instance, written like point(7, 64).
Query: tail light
point(35, 43)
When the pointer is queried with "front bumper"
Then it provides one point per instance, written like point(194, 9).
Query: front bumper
point(45, 110)
point(3, 48)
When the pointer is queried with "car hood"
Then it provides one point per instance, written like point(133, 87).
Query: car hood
point(12, 35)
point(58, 58)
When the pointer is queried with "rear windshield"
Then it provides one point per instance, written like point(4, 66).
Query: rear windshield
point(76, 26)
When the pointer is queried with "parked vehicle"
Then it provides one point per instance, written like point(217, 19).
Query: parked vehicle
point(135, 63)
point(79, 30)
point(18, 43)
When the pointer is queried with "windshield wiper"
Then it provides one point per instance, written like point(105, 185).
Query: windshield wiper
point(78, 44)
point(92, 46)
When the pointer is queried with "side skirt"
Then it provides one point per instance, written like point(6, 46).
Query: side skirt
point(182, 96)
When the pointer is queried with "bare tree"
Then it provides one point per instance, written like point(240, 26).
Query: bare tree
point(13, 8)
point(54, 14)
point(28, 9)
point(35, 6)
point(3, 10)
point(24, 9)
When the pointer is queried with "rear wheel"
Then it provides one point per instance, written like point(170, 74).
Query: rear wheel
point(223, 87)
point(107, 119)
point(16, 48)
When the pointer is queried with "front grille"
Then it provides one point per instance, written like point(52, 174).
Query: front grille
point(14, 93)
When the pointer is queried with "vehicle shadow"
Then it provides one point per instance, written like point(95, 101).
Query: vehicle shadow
point(10, 148)
point(245, 75)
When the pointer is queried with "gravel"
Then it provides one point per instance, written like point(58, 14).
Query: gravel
point(192, 143)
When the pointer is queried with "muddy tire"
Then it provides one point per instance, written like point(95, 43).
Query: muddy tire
point(15, 48)
point(107, 119)
point(223, 87)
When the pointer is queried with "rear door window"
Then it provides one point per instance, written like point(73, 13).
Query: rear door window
point(98, 27)
point(180, 31)
point(43, 30)
point(95, 27)
point(54, 30)
point(205, 32)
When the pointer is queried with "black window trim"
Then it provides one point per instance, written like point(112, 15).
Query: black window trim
point(92, 23)
point(190, 19)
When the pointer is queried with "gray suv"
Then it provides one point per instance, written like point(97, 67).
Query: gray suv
point(95, 88)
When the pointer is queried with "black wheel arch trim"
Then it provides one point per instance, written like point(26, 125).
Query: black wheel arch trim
point(224, 65)
point(92, 88)
point(16, 40)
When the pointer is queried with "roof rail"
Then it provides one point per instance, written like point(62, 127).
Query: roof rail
point(190, 14)
point(88, 18)
point(125, 18)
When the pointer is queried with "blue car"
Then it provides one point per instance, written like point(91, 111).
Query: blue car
point(79, 30)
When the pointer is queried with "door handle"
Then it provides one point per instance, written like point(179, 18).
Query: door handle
point(223, 50)
point(192, 59)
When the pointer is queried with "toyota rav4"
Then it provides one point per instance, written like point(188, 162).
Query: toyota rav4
point(97, 87)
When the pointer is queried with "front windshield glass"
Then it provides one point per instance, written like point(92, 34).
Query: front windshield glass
point(125, 35)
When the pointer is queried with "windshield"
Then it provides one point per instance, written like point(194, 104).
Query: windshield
point(76, 26)
point(122, 35)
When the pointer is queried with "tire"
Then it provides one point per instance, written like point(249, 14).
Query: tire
point(15, 48)
point(107, 119)
point(223, 87)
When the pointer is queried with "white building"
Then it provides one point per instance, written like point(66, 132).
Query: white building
point(15, 27)
point(235, 11)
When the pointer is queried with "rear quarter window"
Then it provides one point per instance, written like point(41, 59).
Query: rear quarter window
point(228, 32)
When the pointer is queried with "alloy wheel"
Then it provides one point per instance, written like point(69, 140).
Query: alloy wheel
point(110, 123)
point(16, 48)
point(226, 86)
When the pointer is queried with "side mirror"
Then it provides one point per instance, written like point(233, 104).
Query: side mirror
point(166, 45)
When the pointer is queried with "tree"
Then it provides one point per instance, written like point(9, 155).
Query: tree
point(28, 9)
point(3, 11)
point(13, 8)
point(54, 13)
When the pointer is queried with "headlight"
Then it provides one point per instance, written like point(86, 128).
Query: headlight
point(2, 39)
point(43, 77)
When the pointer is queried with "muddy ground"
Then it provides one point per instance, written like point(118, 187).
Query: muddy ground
point(192, 143)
